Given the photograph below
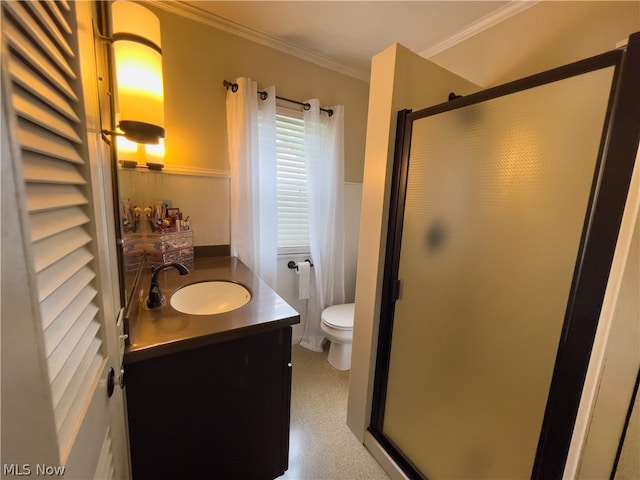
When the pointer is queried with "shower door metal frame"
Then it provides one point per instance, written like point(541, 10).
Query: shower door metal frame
point(613, 172)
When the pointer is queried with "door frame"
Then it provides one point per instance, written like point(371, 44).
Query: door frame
point(108, 264)
point(614, 169)
point(105, 201)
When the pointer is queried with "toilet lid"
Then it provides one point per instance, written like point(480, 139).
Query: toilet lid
point(339, 316)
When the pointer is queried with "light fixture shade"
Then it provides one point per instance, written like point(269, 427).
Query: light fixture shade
point(155, 155)
point(138, 63)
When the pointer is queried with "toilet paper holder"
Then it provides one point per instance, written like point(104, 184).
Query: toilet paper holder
point(293, 264)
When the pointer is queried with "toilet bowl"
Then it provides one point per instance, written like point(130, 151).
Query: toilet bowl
point(337, 325)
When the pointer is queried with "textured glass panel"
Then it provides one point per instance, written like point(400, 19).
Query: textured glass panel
point(496, 200)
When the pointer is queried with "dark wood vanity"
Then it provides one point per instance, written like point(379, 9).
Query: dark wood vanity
point(215, 401)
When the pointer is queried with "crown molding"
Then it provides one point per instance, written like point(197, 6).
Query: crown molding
point(215, 21)
point(514, 7)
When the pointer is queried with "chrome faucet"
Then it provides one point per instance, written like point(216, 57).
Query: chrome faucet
point(156, 298)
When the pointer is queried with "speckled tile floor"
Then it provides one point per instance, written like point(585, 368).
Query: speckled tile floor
point(321, 445)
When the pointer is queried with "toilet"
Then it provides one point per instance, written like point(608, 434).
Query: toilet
point(337, 325)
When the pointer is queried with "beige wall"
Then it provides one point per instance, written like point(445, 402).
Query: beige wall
point(198, 57)
point(205, 199)
point(547, 35)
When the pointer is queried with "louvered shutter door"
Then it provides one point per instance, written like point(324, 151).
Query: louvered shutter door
point(42, 64)
point(104, 466)
point(293, 214)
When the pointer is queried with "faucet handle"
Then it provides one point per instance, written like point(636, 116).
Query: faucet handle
point(156, 299)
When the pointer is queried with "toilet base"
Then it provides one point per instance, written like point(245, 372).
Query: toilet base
point(340, 355)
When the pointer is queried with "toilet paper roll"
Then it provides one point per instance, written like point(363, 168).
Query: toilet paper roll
point(303, 271)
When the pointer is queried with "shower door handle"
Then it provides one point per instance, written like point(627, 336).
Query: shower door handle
point(397, 290)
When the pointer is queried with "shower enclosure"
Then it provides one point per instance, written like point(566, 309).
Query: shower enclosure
point(506, 207)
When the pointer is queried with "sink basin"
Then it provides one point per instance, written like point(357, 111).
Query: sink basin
point(207, 298)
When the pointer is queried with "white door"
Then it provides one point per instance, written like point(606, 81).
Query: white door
point(60, 294)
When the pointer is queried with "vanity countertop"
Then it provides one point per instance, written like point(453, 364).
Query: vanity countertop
point(164, 330)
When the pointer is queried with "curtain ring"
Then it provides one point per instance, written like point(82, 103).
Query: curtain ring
point(263, 95)
point(306, 106)
point(230, 85)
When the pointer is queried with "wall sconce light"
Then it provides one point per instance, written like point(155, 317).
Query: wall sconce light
point(155, 155)
point(128, 152)
point(138, 65)
point(132, 154)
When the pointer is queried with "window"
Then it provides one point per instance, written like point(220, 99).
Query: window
point(293, 214)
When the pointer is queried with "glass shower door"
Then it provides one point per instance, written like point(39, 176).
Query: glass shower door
point(496, 210)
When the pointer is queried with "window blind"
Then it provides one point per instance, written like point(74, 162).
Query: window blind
point(42, 67)
point(293, 213)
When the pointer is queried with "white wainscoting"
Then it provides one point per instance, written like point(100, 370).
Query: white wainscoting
point(352, 211)
point(204, 198)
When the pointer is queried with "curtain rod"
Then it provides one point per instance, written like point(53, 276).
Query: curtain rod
point(263, 96)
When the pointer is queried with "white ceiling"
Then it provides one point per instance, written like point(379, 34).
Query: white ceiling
point(348, 33)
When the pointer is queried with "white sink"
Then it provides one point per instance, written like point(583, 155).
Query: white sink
point(207, 298)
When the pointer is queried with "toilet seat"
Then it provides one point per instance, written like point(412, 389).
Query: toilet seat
point(339, 317)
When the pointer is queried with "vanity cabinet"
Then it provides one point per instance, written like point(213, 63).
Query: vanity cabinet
point(219, 411)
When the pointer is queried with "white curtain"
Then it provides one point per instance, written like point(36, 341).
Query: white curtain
point(324, 149)
point(251, 131)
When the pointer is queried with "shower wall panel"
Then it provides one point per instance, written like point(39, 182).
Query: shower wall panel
point(496, 199)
